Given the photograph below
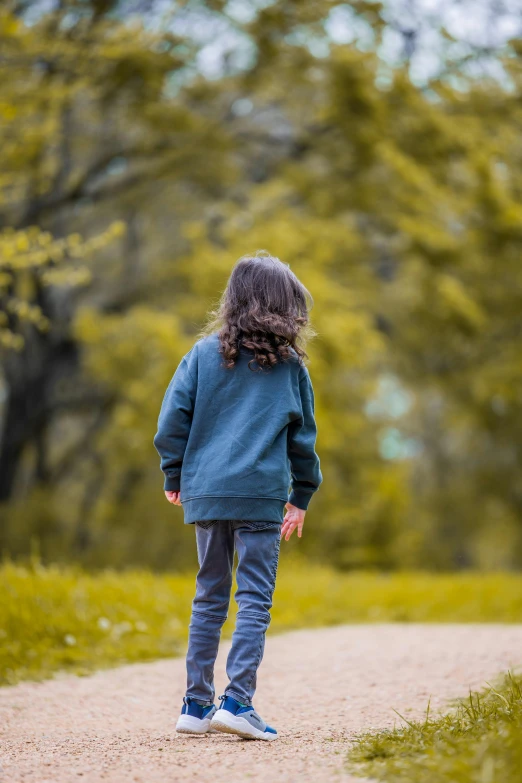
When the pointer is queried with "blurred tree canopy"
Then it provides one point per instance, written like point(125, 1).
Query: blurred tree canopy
point(400, 207)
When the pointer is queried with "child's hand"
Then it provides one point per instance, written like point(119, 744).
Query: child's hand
point(173, 497)
point(294, 518)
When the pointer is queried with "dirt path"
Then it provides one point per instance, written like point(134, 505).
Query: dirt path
point(317, 687)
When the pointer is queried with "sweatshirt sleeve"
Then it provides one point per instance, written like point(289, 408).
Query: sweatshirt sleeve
point(174, 423)
point(304, 462)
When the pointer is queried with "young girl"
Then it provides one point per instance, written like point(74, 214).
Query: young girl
point(236, 430)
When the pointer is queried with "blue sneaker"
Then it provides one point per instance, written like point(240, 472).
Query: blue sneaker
point(194, 718)
point(235, 718)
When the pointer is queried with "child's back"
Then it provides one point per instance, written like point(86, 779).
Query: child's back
point(238, 432)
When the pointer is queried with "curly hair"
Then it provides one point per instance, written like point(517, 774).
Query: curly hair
point(264, 309)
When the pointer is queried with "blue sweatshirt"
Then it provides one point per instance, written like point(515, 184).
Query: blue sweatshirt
point(235, 440)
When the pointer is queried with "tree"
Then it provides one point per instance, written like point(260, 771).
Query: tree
point(398, 205)
point(87, 128)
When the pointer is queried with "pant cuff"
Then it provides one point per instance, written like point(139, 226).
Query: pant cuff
point(238, 697)
point(201, 702)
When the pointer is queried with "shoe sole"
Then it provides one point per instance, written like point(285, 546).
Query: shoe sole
point(188, 724)
point(233, 724)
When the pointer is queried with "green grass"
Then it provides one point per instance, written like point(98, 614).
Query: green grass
point(55, 619)
point(480, 741)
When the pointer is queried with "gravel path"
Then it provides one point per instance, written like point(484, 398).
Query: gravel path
point(317, 687)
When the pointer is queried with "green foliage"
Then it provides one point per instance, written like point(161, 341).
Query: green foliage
point(64, 618)
point(32, 261)
point(478, 741)
point(398, 206)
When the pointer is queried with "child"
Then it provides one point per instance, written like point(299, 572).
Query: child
point(236, 429)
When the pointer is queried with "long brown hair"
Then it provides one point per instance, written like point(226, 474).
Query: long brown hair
point(265, 309)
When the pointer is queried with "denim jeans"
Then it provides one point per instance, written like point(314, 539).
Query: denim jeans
point(257, 547)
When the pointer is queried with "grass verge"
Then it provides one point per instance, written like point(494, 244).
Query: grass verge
point(480, 741)
point(55, 619)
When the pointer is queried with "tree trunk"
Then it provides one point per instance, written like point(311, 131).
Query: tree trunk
point(14, 439)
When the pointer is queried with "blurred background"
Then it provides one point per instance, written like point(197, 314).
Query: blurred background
point(375, 147)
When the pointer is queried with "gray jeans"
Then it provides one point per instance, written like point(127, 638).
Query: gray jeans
point(257, 547)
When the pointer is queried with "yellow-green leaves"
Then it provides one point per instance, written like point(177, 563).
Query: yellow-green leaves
point(31, 259)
